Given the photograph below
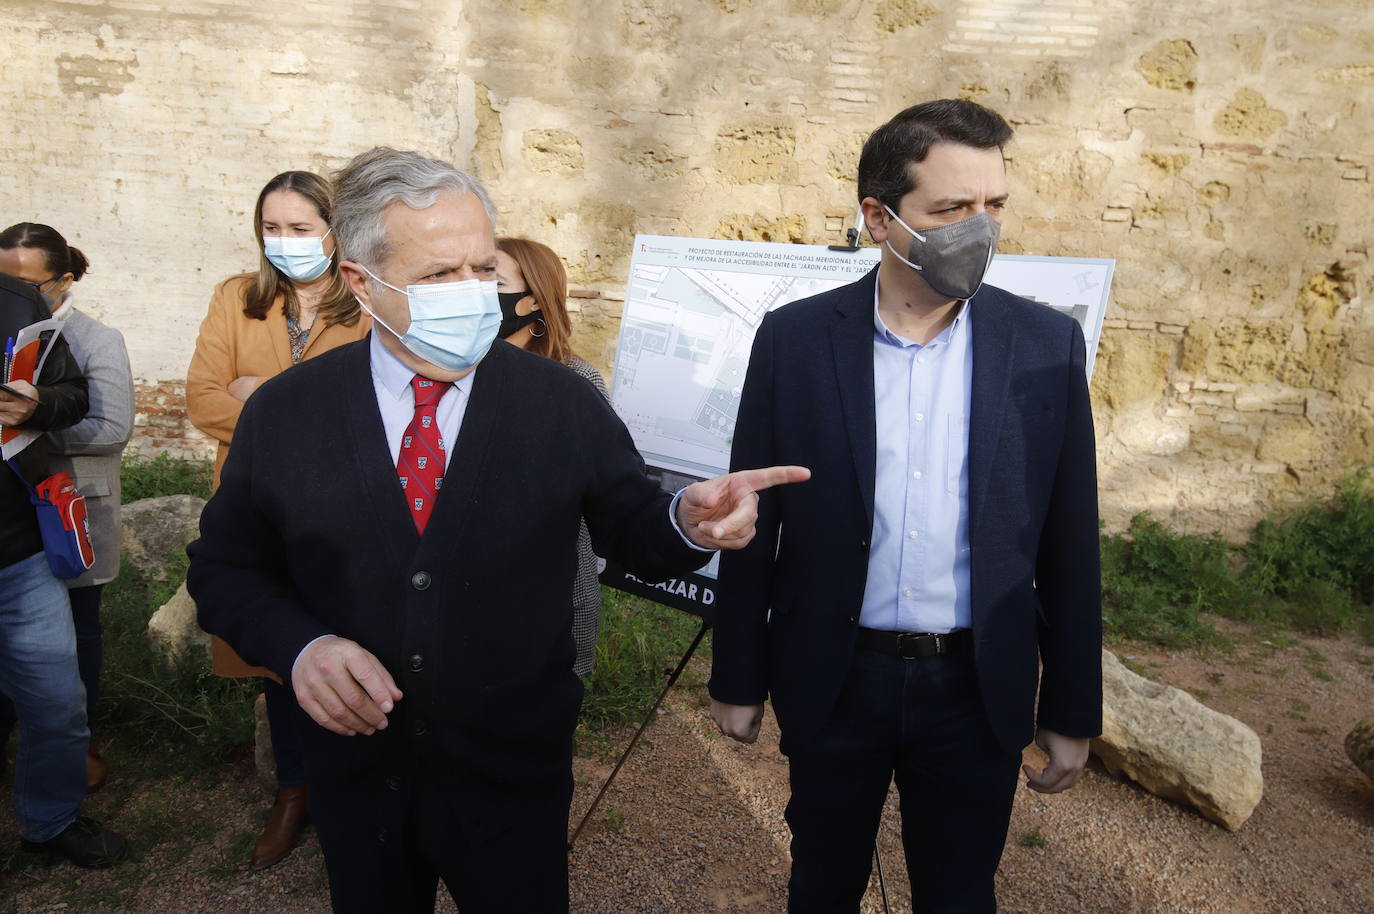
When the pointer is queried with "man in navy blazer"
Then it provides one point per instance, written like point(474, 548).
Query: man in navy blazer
point(426, 630)
point(900, 607)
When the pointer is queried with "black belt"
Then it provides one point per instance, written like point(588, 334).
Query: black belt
point(916, 645)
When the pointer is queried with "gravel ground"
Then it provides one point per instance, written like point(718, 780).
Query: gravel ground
point(694, 822)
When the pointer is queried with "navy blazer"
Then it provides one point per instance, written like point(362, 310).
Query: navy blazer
point(789, 603)
point(308, 534)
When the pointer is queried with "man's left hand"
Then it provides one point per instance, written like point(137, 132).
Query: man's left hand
point(15, 411)
point(719, 513)
point(1067, 755)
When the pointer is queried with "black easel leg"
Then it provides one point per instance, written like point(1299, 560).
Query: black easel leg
point(672, 680)
point(882, 881)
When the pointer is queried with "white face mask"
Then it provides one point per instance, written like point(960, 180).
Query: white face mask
point(452, 324)
point(301, 259)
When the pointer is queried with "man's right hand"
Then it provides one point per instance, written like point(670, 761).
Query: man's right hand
point(739, 722)
point(343, 687)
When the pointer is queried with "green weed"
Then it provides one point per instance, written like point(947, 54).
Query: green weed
point(164, 475)
point(639, 645)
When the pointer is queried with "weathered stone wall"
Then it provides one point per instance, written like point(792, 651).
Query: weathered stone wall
point(1218, 150)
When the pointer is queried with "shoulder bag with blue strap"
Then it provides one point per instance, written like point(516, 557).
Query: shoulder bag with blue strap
point(62, 521)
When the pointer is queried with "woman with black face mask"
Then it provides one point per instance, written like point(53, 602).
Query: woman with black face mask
point(533, 289)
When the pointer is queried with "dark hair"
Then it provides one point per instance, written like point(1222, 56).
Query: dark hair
point(546, 280)
point(337, 305)
point(885, 171)
point(59, 257)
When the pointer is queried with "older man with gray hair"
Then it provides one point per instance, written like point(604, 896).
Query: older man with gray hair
point(394, 535)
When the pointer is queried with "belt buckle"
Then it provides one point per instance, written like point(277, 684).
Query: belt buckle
point(921, 645)
point(908, 645)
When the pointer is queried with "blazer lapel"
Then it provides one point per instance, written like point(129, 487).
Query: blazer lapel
point(851, 337)
point(276, 330)
point(993, 334)
point(372, 457)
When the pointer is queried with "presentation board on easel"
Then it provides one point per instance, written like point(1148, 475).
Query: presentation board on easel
point(692, 306)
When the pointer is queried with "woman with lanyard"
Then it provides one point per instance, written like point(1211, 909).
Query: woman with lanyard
point(294, 307)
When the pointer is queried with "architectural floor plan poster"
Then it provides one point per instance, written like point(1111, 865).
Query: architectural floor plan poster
point(691, 308)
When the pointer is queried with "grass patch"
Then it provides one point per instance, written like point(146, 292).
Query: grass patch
point(1032, 838)
point(168, 715)
point(1309, 569)
point(1157, 584)
point(639, 645)
point(164, 475)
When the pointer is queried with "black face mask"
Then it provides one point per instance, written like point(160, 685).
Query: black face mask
point(510, 321)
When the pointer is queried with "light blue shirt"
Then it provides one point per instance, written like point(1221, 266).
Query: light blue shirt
point(918, 564)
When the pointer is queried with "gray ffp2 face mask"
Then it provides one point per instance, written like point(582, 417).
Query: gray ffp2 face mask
point(953, 258)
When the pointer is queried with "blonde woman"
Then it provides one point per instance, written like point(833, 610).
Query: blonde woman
point(294, 307)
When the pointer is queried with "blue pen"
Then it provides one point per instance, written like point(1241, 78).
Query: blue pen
point(9, 357)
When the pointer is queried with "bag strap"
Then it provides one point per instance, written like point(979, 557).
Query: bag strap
point(34, 498)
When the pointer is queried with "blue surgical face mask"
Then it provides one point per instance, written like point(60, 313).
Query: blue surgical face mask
point(301, 259)
point(452, 324)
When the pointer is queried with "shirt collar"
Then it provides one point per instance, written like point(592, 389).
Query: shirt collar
point(64, 310)
point(886, 335)
point(395, 377)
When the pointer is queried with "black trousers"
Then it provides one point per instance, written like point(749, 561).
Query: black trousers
point(921, 722)
point(497, 849)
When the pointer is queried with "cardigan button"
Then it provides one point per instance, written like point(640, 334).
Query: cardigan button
point(420, 728)
point(393, 783)
point(420, 580)
point(383, 835)
point(417, 662)
point(863, 543)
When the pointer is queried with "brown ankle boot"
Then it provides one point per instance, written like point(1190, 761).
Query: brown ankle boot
point(283, 829)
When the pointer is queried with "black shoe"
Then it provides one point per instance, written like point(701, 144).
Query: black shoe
point(85, 843)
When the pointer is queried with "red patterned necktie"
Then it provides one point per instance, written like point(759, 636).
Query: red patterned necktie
point(421, 464)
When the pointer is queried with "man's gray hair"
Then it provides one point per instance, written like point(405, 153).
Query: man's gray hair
point(374, 180)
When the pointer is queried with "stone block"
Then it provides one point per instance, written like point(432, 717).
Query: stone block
point(174, 627)
point(156, 529)
point(1177, 748)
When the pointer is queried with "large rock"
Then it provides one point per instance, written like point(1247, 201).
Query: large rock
point(1359, 745)
point(156, 529)
point(1172, 745)
point(174, 625)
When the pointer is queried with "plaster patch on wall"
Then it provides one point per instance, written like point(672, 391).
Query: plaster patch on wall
point(552, 152)
point(756, 153)
point(816, 7)
point(486, 150)
point(1248, 114)
point(1170, 65)
point(1362, 75)
point(654, 162)
point(1171, 163)
point(895, 15)
point(842, 159)
point(745, 227)
point(94, 76)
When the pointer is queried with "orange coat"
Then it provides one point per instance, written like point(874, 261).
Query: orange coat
point(232, 345)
